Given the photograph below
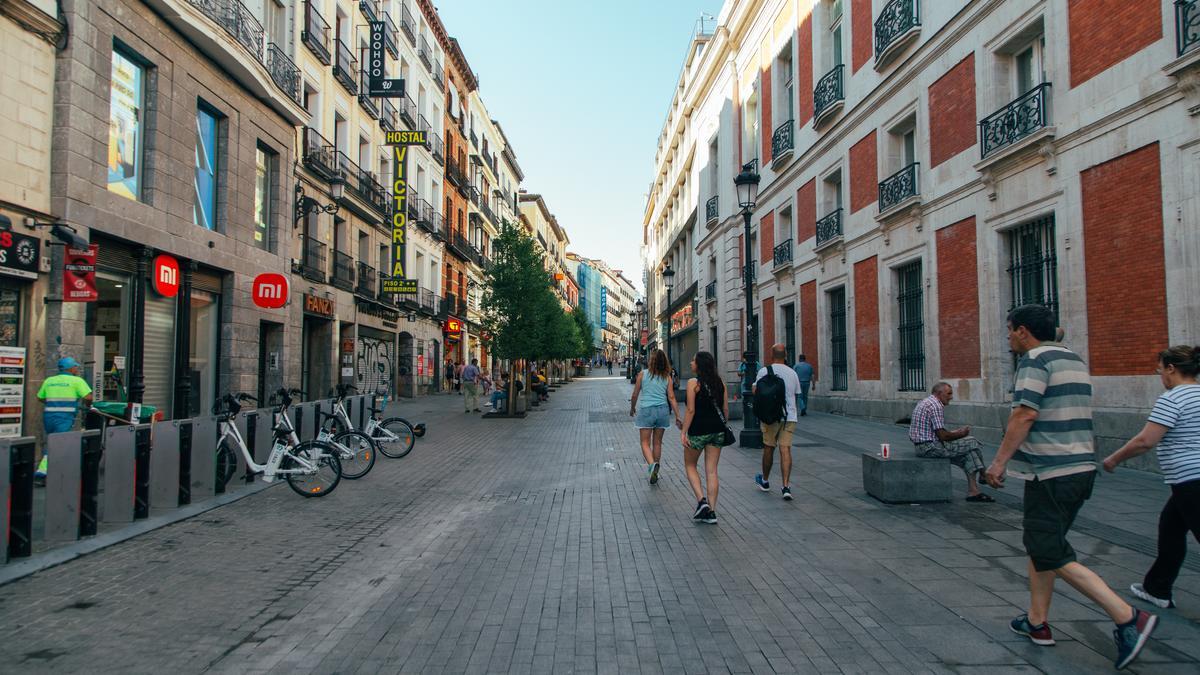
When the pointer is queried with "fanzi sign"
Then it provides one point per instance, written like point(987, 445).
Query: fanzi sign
point(397, 281)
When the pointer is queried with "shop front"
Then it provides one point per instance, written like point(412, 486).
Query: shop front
point(20, 257)
point(453, 334)
point(317, 369)
point(164, 310)
point(685, 339)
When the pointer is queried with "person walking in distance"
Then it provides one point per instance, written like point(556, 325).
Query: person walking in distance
point(609, 364)
point(775, 393)
point(1048, 440)
point(450, 368)
point(470, 378)
point(704, 432)
point(1174, 426)
point(652, 402)
point(60, 395)
point(804, 373)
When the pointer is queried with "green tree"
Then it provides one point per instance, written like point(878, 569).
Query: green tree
point(587, 334)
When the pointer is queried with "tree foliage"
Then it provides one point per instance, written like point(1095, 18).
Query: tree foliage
point(587, 334)
point(515, 290)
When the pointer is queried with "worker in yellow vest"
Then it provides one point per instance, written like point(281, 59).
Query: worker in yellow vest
point(60, 395)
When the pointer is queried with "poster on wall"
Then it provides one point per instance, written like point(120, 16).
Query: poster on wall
point(12, 390)
point(79, 275)
point(124, 126)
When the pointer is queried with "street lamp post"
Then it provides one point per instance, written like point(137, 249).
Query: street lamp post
point(747, 192)
point(668, 276)
point(640, 320)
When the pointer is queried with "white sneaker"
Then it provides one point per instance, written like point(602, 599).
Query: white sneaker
point(1140, 592)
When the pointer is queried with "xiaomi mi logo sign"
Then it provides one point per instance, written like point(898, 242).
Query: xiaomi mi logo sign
point(166, 276)
point(270, 291)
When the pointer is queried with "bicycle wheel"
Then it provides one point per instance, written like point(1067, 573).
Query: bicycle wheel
point(361, 457)
point(320, 482)
point(399, 446)
point(226, 465)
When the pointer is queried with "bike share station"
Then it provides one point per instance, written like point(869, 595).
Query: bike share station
point(105, 479)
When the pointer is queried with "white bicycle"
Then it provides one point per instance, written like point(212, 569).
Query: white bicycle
point(394, 436)
point(312, 468)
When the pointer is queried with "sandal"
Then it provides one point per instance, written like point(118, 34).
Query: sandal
point(981, 497)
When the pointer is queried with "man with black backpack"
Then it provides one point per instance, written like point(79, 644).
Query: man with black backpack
point(775, 392)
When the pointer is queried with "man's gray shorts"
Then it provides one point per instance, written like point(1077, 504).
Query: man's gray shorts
point(966, 453)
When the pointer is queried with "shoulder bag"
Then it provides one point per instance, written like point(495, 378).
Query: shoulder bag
point(729, 438)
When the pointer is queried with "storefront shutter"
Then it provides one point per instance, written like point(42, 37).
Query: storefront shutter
point(158, 355)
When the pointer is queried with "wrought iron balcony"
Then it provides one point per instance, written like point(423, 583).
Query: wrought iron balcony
point(897, 20)
point(391, 38)
point(437, 148)
point(710, 210)
point(429, 302)
point(438, 79)
point(424, 125)
point(900, 186)
point(367, 284)
point(710, 291)
point(408, 111)
point(238, 21)
point(315, 34)
point(1187, 25)
point(368, 103)
point(454, 174)
point(424, 53)
point(1017, 120)
point(362, 184)
point(312, 259)
point(438, 222)
point(410, 301)
point(474, 138)
point(487, 212)
point(458, 245)
point(408, 25)
point(473, 194)
point(749, 269)
point(423, 215)
point(319, 154)
point(284, 72)
point(343, 271)
point(783, 140)
point(414, 205)
point(369, 9)
point(345, 66)
point(387, 115)
point(829, 228)
point(783, 254)
point(829, 94)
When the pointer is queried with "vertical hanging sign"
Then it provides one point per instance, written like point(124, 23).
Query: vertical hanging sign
point(377, 84)
point(397, 281)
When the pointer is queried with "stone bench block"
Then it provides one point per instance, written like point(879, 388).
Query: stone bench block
point(906, 479)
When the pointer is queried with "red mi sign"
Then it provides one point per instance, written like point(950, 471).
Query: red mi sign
point(270, 291)
point(166, 275)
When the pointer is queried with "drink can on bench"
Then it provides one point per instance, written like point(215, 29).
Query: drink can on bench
point(885, 450)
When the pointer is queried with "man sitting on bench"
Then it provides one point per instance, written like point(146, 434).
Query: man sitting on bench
point(929, 434)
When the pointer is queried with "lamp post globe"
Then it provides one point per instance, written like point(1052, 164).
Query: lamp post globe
point(746, 183)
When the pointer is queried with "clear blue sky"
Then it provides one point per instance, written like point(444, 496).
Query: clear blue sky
point(581, 90)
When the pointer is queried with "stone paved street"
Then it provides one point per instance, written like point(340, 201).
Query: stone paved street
point(536, 546)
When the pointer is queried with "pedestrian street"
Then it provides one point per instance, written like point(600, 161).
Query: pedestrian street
point(536, 545)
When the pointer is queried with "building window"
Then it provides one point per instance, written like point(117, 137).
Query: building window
point(835, 33)
point(1029, 65)
point(912, 328)
point(204, 212)
point(266, 169)
point(127, 92)
point(789, 332)
point(837, 338)
point(1033, 264)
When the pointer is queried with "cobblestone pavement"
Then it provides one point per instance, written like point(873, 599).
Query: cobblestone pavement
point(536, 546)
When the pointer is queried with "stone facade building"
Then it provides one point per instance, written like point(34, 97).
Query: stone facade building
point(925, 167)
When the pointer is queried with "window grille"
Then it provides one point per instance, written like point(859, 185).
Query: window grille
point(1033, 264)
point(912, 328)
point(837, 338)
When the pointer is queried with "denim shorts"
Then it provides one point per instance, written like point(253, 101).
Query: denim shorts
point(653, 417)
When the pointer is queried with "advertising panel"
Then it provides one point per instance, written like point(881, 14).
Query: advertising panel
point(397, 281)
point(12, 390)
point(79, 275)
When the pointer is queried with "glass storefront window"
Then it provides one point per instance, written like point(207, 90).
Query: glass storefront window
point(108, 318)
point(126, 95)
point(10, 316)
point(202, 360)
point(204, 211)
point(264, 161)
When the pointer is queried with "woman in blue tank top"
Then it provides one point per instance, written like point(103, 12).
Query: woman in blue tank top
point(652, 403)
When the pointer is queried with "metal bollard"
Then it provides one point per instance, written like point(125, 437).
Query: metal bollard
point(204, 457)
point(251, 438)
point(91, 452)
point(72, 485)
point(264, 434)
point(298, 420)
point(164, 466)
point(119, 478)
point(185, 463)
point(16, 512)
point(141, 471)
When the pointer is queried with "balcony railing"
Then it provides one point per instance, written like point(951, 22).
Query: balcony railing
point(238, 21)
point(474, 138)
point(895, 21)
point(343, 271)
point(345, 66)
point(391, 38)
point(284, 72)
point(458, 245)
point(410, 301)
point(387, 115)
point(362, 184)
point(312, 259)
point(710, 210)
point(437, 148)
point(408, 25)
point(424, 53)
point(414, 205)
point(438, 79)
point(367, 284)
point(710, 291)
point(828, 93)
point(408, 111)
point(783, 254)
point(900, 186)
point(782, 141)
point(424, 125)
point(1016, 120)
point(829, 228)
point(368, 103)
point(370, 9)
point(1187, 25)
point(454, 174)
point(438, 222)
point(319, 154)
point(429, 302)
point(487, 212)
point(423, 215)
point(315, 34)
point(473, 194)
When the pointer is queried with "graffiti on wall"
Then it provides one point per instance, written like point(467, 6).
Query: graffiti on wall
point(375, 369)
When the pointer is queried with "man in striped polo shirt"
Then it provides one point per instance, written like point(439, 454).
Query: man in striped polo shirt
point(1049, 442)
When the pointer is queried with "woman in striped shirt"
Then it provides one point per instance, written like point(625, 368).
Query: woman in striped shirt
point(1174, 426)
